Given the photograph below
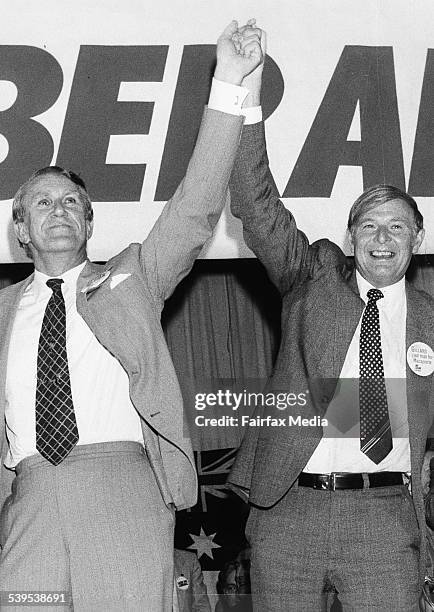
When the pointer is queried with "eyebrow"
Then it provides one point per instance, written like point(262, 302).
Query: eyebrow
point(39, 194)
point(364, 219)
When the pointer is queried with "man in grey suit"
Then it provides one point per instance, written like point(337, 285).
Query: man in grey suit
point(92, 430)
point(331, 506)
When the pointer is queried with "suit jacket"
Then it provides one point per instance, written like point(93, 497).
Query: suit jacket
point(321, 309)
point(193, 596)
point(122, 300)
point(429, 502)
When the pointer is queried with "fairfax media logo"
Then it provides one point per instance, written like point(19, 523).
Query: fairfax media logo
point(288, 421)
point(258, 421)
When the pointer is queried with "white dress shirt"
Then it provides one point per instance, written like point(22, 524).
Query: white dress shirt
point(229, 99)
point(340, 452)
point(99, 384)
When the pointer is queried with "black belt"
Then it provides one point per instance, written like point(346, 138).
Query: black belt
point(336, 480)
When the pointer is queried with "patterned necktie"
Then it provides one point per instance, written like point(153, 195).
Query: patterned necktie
point(56, 427)
point(375, 433)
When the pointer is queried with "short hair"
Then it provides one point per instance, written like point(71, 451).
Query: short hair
point(18, 208)
point(381, 194)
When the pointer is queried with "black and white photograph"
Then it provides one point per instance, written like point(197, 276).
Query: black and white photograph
point(217, 306)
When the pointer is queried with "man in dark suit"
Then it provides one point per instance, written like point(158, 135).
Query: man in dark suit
point(91, 420)
point(189, 585)
point(331, 506)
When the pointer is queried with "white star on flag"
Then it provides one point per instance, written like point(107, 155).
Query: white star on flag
point(203, 544)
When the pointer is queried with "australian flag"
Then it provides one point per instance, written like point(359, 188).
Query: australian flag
point(214, 527)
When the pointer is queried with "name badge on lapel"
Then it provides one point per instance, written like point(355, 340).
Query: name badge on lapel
point(96, 282)
point(182, 583)
point(420, 358)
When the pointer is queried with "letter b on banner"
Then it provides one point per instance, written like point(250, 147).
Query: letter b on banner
point(38, 79)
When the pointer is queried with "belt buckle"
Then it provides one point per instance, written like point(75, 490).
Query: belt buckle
point(328, 483)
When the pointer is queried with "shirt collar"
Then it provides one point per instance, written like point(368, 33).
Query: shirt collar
point(69, 277)
point(393, 294)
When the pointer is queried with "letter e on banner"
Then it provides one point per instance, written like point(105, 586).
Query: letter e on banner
point(94, 114)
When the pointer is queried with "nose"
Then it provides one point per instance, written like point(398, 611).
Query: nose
point(58, 208)
point(383, 234)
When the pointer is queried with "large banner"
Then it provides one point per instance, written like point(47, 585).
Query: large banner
point(114, 90)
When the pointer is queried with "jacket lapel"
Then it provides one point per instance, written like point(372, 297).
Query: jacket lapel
point(419, 328)
point(8, 303)
point(347, 310)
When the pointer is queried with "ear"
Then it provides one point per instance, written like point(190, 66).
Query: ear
point(418, 240)
point(89, 229)
point(21, 232)
point(350, 240)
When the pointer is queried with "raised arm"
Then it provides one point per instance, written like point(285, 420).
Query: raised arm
point(269, 228)
point(188, 219)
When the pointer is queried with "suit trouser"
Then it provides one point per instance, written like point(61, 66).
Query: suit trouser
point(363, 543)
point(95, 527)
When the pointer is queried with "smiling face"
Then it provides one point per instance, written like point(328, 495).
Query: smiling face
point(54, 224)
point(384, 238)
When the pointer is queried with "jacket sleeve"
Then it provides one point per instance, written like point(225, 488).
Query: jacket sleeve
point(269, 228)
point(189, 217)
point(429, 499)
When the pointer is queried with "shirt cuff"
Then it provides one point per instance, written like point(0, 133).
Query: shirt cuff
point(252, 114)
point(226, 97)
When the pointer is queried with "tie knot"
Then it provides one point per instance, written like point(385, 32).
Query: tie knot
point(55, 285)
point(374, 295)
